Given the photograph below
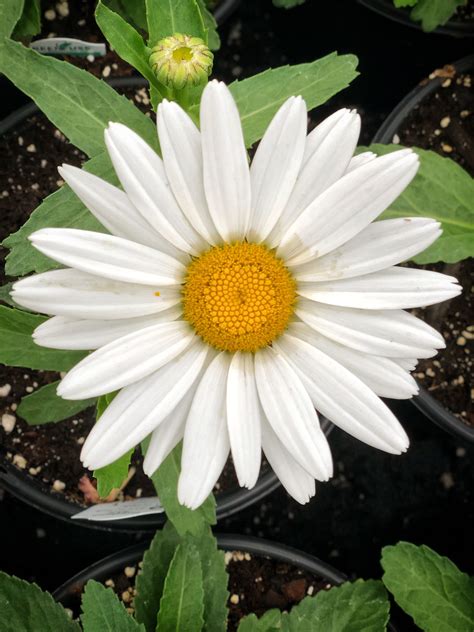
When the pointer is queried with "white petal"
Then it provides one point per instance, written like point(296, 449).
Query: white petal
point(276, 165)
point(180, 142)
point(348, 206)
point(326, 159)
point(394, 288)
point(167, 436)
point(408, 364)
point(76, 294)
point(108, 256)
point(343, 398)
point(384, 376)
point(113, 209)
point(295, 479)
point(244, 419)
point(380, 245)
point(126, 360)
point(226, 170)
point(360, 159)
point(60, 332)
point(143, 178)
point(391, 333)
point(139, 408)
point(291, 414)
point(206, 439)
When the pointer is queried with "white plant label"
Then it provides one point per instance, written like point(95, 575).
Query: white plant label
point(120, 510)
point(68, 46)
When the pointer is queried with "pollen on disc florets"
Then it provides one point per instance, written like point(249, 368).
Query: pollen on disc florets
point(238, 297)
point(180, 60)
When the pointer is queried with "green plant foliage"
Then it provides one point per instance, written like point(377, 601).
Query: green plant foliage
point(360, 606)
point(44, 406)
point(156, 562)
point(165, 480)
point(61, 209)
point(102, 611)
point(288, 4)
point(10, 12)
point(30, 21)
point(269, 622)
point(181, 605)
point(125, 40)
point(5, 295)
point(150, 581)
point(429, 587)
point(444, 191)
point(258, 98)
point(23, 605)
point(133, 11)
point(166, 17)
point(78, 103)
point(404, 3)
point(17, 347)
point(210, 24)
point(433, 13)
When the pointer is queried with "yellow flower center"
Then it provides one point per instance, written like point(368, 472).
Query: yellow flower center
point(238, 297)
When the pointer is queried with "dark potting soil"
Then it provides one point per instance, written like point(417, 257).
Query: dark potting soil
point(444, 123)
point(465, 13)
point(50, 453)
point(256, 584)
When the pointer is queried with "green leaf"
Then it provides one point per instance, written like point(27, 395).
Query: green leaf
point(102, 611)
point(44, 406)
point(78, 103)
point(151, 579)
point(11, 11)
point(62, 209)
point(444, 191)
point(258, 98)
point(269, 622)
point(433, 13)
point(181, 605)
point(125, 40)
point(215, 579)
point(165, 480)
point(166, 17)
point(133, 11)
point(210, 24)
point(17, 347)
point(429, 587)
point(5, 294)
point(30, 21)
point(24, 605)
point(112, 476)
point(287, 4)
point(361, 606)
point(404, 3)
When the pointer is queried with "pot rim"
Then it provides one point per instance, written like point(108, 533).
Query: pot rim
point(102, 569)
point(424, 401)
point(388, 10)
point(228, 542)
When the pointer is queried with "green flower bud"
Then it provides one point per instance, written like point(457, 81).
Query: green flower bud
point(181, 60)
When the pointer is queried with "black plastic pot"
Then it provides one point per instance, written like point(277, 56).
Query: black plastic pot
point(68, 594)
point(427, 404)
point(389, 10)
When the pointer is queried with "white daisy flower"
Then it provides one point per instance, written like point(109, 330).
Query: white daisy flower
point(229, 302)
